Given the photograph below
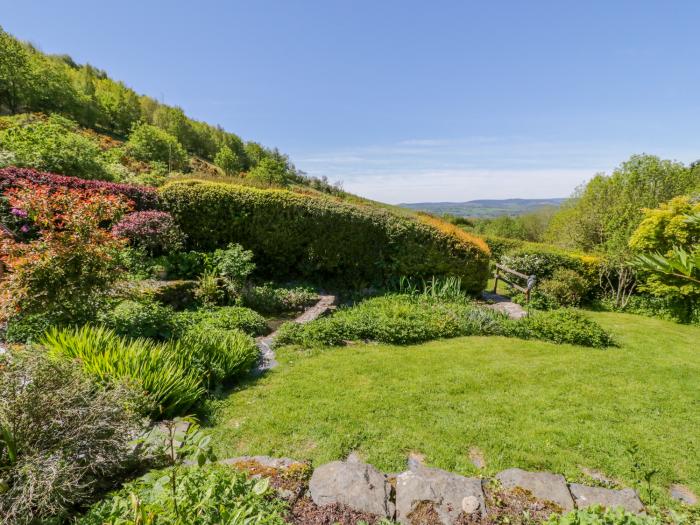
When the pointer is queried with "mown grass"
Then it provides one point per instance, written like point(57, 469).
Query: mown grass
point(529, 404)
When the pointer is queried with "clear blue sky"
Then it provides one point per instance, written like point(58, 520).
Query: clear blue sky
point(406, 100)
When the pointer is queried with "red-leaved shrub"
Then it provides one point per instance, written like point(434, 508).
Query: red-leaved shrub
point(154, 231)
point(143, 197)
point(71, 260)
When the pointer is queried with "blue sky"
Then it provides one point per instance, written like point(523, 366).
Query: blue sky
point(403, 100)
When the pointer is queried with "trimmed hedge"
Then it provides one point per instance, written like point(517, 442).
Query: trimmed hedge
point(144, 198)
point(320, 238)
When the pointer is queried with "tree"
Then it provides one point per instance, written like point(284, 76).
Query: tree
point(228, 161)
point(15, 73)
point(602, 215)
point(149, 143)
point(668, 246)
point(270, 172)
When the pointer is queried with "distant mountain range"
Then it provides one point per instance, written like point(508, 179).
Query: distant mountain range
point(483, 208)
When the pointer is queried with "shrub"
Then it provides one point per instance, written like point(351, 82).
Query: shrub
point(144, 198)
point(69, 265)
point(153, 231)
point(54, 146)
point(219, 354)
point(226, 318)
point(141, 319)
point(565, 287)
point(29, 328)
point(149, 143)
point(396, 319)
point(185, 265)
point(159, 369)
point(321, 238)
point(560, 326)
point(270, 299)
point(668, 308)
point(61, 436)
point(233, 265)
point(209, 495)
point(542, 261)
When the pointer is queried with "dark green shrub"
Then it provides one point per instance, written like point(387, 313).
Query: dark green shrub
point(141, 319)
point(29, 328)
point(225, 318)
point(501, 246)
point(270, 299)
point(560, 326)
point(565, 287)
point(668, 308)
point(210, 495)
point(319, 238)
point(185, 265)
point(62, 437)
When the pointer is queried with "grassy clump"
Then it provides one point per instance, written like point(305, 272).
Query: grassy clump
point(157, 368)
point(409, 319)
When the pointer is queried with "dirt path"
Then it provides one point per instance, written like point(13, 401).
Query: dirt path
point(267, 354)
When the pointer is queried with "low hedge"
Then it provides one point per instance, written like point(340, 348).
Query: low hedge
point(144, 198)
point(319, 238)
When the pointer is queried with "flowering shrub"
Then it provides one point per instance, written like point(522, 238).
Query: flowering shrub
point(71, 260)
point(143, 197)
point(154, 231)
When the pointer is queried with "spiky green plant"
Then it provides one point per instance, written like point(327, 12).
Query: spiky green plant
point(218, 354)
point(158, 368)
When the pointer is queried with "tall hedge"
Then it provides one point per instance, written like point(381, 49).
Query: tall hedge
point(320, 238)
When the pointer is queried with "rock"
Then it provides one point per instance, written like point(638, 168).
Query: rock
point(598, 476)
point(585, 496)
point(354, 484)
point(438, 493)
point(476, 456)
point(415, 461)
point(542, 485)
point(263, 461)
point(683, 494)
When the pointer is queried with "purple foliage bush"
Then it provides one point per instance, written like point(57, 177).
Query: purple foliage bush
point(154, 231)
point(143, 197)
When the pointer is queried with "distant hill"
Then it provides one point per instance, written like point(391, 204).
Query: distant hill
point(483, 208)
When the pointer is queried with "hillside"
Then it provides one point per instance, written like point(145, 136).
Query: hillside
point(483, 208)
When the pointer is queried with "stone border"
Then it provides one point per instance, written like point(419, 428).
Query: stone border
point(422, 493)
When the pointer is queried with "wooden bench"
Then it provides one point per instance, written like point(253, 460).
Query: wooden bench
point(530, 280)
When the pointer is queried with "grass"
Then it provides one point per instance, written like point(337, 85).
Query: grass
point(529, 404)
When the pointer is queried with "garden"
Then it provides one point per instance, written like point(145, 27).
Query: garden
point(194, 332)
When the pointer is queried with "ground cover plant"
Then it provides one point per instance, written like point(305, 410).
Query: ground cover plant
point(406, 319)
point(204, 496)
point(537, 405)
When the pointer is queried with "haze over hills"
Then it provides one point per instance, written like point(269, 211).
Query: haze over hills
point(483, 207)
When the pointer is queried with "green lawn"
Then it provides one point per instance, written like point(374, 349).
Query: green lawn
point(529, 404)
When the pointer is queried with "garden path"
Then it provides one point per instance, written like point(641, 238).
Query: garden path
point(267, 354)
point(505, 305)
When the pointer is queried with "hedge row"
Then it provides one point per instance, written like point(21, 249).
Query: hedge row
point(319, 238)
point(144, 198)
